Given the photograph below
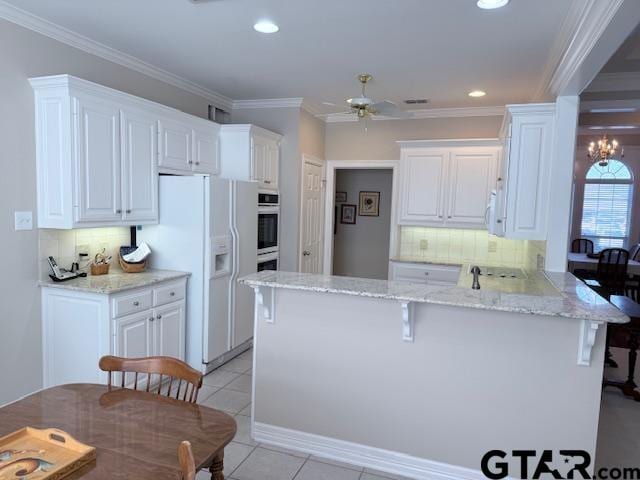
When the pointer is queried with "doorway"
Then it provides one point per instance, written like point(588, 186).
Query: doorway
point(359, 218)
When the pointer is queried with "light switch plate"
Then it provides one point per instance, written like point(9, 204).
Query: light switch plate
point(23, 220)
point(424, 244)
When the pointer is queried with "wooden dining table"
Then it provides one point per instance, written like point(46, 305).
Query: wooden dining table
point(581, 260)
point(136, 434)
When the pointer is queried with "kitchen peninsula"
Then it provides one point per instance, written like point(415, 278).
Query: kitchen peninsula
point(422, 380)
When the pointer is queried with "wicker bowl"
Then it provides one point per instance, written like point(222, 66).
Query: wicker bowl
point(99, 268)
point(127, 267)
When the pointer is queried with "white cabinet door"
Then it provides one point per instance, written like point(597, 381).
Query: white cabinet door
point(206, 151)
point(271, 165)
point(139, 169)
point(97, 136)
point(133, 339)
point(259, 160)
point(472, 176)
point(169, 330)
point(528, 178)
point(175, 145)
point(422, 197)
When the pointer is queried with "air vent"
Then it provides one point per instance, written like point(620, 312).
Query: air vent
point(416, 101)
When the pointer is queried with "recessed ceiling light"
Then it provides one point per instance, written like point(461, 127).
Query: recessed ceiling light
point(266, 26)
point(491, 4)
point(477, 93)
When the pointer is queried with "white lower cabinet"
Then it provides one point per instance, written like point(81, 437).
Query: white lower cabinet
point(429, 273)
point(80, 327)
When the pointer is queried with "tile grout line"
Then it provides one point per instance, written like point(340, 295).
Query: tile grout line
point(301, 466)
point(244, 460)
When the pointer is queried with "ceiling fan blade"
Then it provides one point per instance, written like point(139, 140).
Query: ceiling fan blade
point(389, 109)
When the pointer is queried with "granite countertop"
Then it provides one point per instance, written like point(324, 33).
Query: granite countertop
point(117, 281)
point(570, 297)
point(424, 261)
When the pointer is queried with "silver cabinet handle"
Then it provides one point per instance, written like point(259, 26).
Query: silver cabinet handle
point(426, 273)
point(128, 211)
point(190, 162)
point(118, 211)
point(151, 319)
point(197, 163)
point(159, 317)
point(172, 294)
point(306, 253)
point(136, 304)
point(449, 216)
point(267, 182)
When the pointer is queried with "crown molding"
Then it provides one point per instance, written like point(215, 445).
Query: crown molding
point(295, 102)
point(446, 143)
point(565, 36)
point(615, 82)
point(590, 22)
point(44, 27)
point(423, 114)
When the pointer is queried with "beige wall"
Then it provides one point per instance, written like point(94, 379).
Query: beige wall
point(25, 54)
point(312, 135)
point(350, 141)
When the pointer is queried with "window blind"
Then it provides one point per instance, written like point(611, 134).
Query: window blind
point(605, 215)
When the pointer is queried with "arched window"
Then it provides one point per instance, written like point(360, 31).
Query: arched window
point(606, 211)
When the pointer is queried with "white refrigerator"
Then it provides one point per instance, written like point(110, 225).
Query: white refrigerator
point(208, 227)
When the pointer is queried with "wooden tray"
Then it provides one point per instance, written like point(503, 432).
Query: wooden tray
point(33, 454)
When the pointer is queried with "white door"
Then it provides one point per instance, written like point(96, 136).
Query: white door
point(139, 170)
point(472, 177)
point(175, 145)
point(98, 149)
point(133, 340)
point(312, 219)
point(169, 330)
point(424, 174)
point(206, 151)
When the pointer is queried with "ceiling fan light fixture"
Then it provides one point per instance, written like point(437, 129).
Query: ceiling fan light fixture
point(477, 93)
point(266, 26)
point(491, 4)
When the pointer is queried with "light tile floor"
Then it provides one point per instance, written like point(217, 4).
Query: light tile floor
point(229, 389)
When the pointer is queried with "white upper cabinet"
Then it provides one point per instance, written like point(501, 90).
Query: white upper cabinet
point(139, 170)
point(97, 128)
point(528, 138)
point(99, 151)
point(424, 178)
point(175, 144)
point(447, 183)
point(206, 148)
point(250, 153)
point(472, 176)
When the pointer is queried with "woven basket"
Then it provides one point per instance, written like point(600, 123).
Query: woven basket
point(99, 268)
point(132, 267)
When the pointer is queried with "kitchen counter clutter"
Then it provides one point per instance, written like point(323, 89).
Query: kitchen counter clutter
point(552, 294)
point(116, 281)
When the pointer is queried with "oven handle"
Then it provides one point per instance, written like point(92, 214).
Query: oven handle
point(267, 257)
point(271, 209)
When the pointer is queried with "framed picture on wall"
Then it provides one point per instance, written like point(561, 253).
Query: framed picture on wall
point(348, 214)
point(341, 197)
point(369, 204)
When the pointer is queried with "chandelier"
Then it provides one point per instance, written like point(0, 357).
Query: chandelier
point(603, 151)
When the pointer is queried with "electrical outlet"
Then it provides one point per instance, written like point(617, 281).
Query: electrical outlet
point(493, 246)
point(424, 244)
point(82, 249)
point(23, 220)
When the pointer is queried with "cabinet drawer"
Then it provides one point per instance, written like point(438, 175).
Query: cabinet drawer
point(421, 273)
point(132, 303)
point(168, 294)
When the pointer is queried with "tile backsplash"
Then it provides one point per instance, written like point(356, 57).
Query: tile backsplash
point(64, 245)
point(470, 246)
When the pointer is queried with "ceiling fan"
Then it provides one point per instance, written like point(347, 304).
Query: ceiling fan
point(364, 106)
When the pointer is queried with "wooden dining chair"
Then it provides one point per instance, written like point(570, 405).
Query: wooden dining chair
point(582, 245)
point(612, 271)
point(169, 373)
point(187, 463)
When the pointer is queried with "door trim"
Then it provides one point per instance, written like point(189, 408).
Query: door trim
point(330, 172)
point(318, 163)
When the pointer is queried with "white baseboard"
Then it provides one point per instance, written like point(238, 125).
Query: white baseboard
point(362, 455)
